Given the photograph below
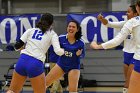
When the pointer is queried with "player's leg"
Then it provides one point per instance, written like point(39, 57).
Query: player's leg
point(55, 73)
point(54, 86)
point(134, 85)
point(73, 78)
point(127, 61)
point(125, 88)
point(16, 83)
point(38, 83)
point(130, 69)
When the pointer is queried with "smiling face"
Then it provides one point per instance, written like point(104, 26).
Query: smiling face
point(130, 13)
point(72, 28)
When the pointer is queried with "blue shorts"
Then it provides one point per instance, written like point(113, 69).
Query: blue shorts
point(66, 69)
point(128, 58)
point(29, 66)
point(137, 65)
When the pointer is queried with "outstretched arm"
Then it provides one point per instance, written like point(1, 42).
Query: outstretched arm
point(110, 24)
point(114, 42)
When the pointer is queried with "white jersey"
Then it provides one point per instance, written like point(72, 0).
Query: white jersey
point(129, 43)
point(37, 43)
point(131, 26)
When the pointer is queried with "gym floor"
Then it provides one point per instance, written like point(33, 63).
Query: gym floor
point(82, 90)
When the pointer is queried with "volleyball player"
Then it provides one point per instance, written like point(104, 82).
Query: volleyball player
point(30, 63)
point(131, 26)
point(129, 44)
point(70, 61)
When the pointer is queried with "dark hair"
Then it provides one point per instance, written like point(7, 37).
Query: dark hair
point(133, 7)
point(138, 3)
point(45, 22)
point(78, 34)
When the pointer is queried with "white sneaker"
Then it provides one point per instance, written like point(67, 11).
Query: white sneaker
point(125, 90)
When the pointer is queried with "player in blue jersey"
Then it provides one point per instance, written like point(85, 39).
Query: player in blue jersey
point(70, 61)
point(36, 42)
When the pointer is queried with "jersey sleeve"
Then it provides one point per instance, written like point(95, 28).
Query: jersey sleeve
point(56, 45)
point(83, 52)
point(119, 24)
point(25, 35)
point(125, 31)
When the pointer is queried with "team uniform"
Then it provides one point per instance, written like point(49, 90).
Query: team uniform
point(33, 55)
point(131, 26)
point(129, 43)
point(69, 60)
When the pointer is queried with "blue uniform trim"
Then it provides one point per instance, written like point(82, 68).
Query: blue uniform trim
point(128, 58)
point(137, 65)
point(66, 69)
point(29, 66)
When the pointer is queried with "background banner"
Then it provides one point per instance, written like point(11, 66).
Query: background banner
point(92, 29)
point(13, 26)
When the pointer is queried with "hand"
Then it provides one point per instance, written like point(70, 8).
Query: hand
point(100, 17)
point(94, 45)
point(79, 52)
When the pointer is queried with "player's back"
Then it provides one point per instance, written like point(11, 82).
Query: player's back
point(37, 42)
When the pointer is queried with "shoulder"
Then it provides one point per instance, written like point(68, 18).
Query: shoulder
point(62, 36)
point(134, 21)
point(81, 41)
point(51, 32)
point(30, 30)
point(137, 18)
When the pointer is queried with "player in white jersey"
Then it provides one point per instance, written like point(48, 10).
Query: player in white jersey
point(36, 42)
point(129, 44)
point(131, 26)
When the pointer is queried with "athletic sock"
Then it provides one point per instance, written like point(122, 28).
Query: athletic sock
point(125, 90)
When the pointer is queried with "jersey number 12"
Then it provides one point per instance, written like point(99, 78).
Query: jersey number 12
point(37, 35)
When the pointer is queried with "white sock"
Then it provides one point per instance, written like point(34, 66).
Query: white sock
point(125, 90)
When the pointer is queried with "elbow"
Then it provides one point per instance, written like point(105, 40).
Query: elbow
point(18, 45)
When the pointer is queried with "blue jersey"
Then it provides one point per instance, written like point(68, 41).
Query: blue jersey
point(70, 59)
point(53, 57)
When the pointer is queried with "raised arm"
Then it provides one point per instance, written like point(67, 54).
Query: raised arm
point(110, 24)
